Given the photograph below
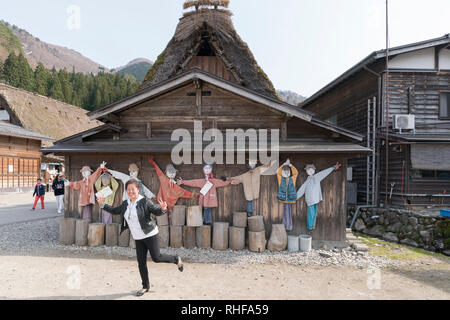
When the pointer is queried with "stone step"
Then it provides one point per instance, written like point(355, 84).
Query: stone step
point(351, 237)
point(348, 230)
point(360, 247)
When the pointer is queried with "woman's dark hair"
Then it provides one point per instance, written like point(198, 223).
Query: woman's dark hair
point(134, 182)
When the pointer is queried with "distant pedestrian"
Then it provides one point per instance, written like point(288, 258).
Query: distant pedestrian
point(39, 192)
point(58, 189)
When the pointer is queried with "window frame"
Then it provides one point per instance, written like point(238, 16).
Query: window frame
point(448, 111)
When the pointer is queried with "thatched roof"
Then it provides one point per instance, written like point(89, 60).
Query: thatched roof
point(216, 26)
point(43, 115)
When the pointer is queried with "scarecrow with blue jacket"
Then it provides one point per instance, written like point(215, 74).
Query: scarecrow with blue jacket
point(287, 193)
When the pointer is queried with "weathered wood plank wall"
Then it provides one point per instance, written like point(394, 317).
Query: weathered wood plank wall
point(331, 213)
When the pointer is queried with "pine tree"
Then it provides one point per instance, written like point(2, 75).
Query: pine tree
point(66, 87)
point(55, 89)
point(10, 73)
point(42, 80)
point(26, 75)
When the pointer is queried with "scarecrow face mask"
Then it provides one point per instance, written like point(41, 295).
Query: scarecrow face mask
point(106, 180)
point(86, 174)
point(310, 170)
point(134, 174)
point(252, 164)
point(207, 169)
point(285, 172)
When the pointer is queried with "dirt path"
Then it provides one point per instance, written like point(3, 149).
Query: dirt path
point(46, 277)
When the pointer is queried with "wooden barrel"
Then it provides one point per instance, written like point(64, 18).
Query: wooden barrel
point(203, 237)
point(132, 242)
point(189, 237)
point(220, 235)
point(162, 220)
point(67, 231)
point(96, 234)
point(237, 238)
point(256, 224)
point(178, 216)
point(81, 232)
point(124, 239)
point(240, 219)
point(112, 235)
point(163, 236)
point(176, 236)
point(194, 216)
point(257, 241)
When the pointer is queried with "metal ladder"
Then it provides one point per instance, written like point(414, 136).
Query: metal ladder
point(371, 141)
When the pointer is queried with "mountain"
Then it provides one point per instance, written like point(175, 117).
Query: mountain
point(291, 97)
point(39, 51)
point(137, 68)
point(9, 43)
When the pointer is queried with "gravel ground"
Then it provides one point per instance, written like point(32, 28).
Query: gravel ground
point(26, 238)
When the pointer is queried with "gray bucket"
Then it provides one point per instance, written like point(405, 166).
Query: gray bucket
point(305, 243)
point(293, 245)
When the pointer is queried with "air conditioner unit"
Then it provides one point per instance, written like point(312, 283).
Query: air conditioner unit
point(404, 122)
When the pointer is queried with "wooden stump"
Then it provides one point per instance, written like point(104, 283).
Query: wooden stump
point(220, 236)
point(67, 231)
point(240, 219)
point(96, 235)
point(124, 239)
point(81, 232)
point(257, 241)
point(278, 239)
point(178, 216)
point(163, 236)
point(132, 242)
point(176, 236)
point(237, 238)
point(112, 235)
point(256, 224)
point(203, 237)
point(194, 216)
point(189, 237)
point(162, 220)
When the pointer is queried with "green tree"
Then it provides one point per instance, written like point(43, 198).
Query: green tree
point(26, 75)
point(10, 73)
point(66, 86)
point(42, 80)
point(56, 89)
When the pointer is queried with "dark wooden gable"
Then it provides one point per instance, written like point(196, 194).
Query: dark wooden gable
point(215, 107)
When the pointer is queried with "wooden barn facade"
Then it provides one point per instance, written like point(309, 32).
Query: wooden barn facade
point(208, 74)
point(419, 122)
point(20, 158)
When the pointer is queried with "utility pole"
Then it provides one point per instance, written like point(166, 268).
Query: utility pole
point(386, 103)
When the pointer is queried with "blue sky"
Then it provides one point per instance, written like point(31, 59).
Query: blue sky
point(301, 44)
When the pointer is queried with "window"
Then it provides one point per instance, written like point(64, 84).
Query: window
point(430, 174)
point(444, 105)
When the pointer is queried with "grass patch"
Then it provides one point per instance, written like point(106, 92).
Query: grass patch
point(396, 251)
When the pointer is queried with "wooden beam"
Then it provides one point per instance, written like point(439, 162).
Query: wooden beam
point(149, 129)
point(198, 95)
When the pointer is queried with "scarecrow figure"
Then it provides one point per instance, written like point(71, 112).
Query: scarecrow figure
point(287, 194)
point(169, 190)
point(208, 192)
point(105, 181)
point(251, 183)
point(313, 191)
point(86, 187)
point(134, 172)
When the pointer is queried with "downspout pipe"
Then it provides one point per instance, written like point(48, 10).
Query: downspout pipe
point(357, 211)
